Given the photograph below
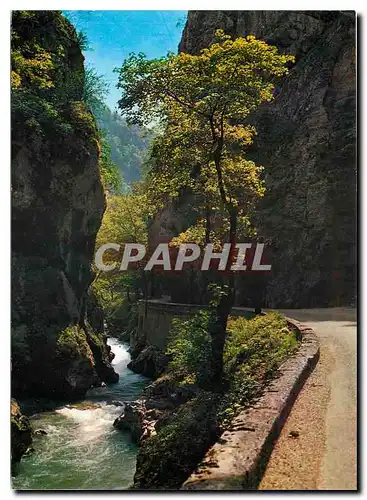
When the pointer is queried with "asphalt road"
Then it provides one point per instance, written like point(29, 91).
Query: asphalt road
point(324, 455)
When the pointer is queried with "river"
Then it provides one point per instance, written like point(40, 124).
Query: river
point(82, 450)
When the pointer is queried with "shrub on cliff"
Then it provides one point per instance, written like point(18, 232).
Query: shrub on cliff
point(72, 342)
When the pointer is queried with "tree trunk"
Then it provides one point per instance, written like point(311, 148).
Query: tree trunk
point(218, 325)
point(217, 331)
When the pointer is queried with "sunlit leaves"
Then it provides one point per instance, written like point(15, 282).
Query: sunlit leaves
point(202, 103)
point(243, 68)
point(35, 70)
point(15, 80)
point(124, 220)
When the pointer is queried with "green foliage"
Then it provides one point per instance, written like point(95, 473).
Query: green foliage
point(124, 222)
point(32, 65)
point(190, 348)
point(43, 56)
point(37, 70)
point(233, 74)
point(254, 350)
point(218, 292)
point(202, 102)
point(95, 91)
point(47, 86)
point(82, 119)
point(72, 342)
point(83, 41)
point(119, 316)
point(97, 339)
point(166, 459)
point(117, 309)
point(121, 153)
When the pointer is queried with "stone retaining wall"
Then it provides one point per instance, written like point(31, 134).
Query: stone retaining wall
point(155, 318)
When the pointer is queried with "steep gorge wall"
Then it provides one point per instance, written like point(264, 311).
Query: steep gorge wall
point(306, 142)
point(57, 206)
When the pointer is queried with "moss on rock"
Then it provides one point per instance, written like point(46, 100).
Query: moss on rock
point(21, 433)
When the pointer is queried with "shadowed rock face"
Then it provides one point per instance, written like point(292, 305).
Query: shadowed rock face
point(151, 362)
point(306, 142)
point(21, 433)
point(57, 207)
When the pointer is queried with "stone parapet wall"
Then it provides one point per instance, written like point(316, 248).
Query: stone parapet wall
point(155, 318)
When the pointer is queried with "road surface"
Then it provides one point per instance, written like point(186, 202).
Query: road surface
point(323, 455)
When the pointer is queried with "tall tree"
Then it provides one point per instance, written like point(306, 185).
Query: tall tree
point(204, 102)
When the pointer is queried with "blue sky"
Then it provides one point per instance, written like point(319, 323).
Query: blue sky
point(114, 34)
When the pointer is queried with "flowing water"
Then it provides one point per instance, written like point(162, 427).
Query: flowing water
point(82, 450)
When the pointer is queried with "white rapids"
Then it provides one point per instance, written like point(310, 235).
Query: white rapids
point(82, 450)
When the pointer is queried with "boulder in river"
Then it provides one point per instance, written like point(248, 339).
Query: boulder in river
point(151, 362)
point(40, 432)
point(137, 420)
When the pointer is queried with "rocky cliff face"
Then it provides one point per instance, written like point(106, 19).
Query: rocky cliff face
point(21, 433)
point(306, 142)
point(57, 207)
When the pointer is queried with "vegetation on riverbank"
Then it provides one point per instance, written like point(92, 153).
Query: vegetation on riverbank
point(197, 415)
